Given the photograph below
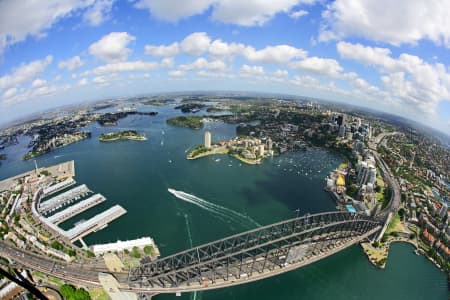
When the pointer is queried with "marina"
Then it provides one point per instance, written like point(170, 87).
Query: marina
point(59, 187)
point(76, 209)
point(95, 223)
point(64, 198)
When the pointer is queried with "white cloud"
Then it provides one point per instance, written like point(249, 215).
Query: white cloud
point(24, 73)
point(250, 12)
point(199, 43)
point(39, 83)
point(9, 93)
point(112, 47)
point(173, 10)
point(320, 66)
point(104, 80)
point(162, 50)
point(167, 63)
point(125, 67)
point(218, 48)
point(247, 70)
point(22, 19)
point(408, 78)
point(298, 14)
point(83, 81)
point(99, 12)
point(196, 43)
point(215, 74)
point(281, 73)
point(176, 73)
point(394, 22)
point(305, 81)
point(245, 13)
point(203, 64)
point(274, 54)
point(71, 64)
point(39, 88)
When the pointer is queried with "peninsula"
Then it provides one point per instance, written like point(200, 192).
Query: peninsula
point(122, 135)
point(249, 150)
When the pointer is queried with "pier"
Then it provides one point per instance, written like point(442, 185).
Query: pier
point(58, 187)
point(76, 209)
point(63, 199)
point(95, 223)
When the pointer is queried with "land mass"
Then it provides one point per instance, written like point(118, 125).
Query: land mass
point(193, 122)
point(246, 149)
point(122, 135)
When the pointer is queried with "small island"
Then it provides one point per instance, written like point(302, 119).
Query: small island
point(190, 107)
point(193, 122)
point(248, 150)
point(122, 135)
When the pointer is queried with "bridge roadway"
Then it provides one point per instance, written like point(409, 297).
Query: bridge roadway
point(253, 255)
point(241, 258)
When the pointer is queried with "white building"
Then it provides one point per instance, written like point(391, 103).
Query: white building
point(122, 245)
point(207, 139)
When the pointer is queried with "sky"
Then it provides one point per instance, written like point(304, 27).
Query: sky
point(392, 56)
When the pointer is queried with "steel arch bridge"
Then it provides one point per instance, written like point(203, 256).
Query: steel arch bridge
point(253, 255)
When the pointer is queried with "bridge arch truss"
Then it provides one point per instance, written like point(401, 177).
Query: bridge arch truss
point(255, 254)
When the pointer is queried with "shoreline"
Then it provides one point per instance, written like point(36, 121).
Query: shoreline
point(223, 151)
point(138, 139)
point(31, 155)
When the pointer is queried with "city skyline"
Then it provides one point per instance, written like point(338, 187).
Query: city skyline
point(373, 54)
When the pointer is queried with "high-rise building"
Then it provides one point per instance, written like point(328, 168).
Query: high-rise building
point(207, 139)
point(269, 144)
point(443, 211)
point(342, 131)
point(261, 150)
point(341, 120)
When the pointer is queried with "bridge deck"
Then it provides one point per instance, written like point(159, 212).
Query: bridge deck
point(254, 254)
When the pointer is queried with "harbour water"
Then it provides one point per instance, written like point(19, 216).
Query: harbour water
point(219, 197)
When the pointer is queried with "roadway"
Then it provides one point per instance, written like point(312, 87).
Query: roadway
point(394, 203)
point(74, 272)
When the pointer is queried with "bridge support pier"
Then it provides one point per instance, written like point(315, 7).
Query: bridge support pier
point(111, 286)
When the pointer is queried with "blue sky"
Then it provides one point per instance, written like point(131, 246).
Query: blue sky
point(389, 55)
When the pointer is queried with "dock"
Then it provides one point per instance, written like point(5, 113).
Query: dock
point(76, 209)
point(63, 199)
point(58, 187)
point(95, 223)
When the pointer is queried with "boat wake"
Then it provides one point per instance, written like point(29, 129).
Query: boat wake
point(223, 213)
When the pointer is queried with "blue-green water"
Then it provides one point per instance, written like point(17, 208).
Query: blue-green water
point(137, 175)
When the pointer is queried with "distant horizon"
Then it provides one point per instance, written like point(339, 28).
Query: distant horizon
point(31, 116)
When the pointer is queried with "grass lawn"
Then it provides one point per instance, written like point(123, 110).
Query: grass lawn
point(98, 294)
point(393, 225)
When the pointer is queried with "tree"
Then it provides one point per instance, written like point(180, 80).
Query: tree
point(148, 249)
point(81, 294)
point(70, 293)
point(401, 213)
point(67, 291)
point(135, 253)
point(57, 245)
point(352, 190)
